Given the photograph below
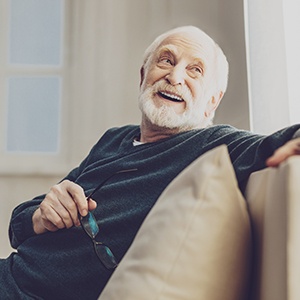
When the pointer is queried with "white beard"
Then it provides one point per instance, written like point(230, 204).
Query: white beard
point(165, 115)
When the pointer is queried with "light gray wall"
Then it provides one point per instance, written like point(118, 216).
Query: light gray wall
point(125, 28)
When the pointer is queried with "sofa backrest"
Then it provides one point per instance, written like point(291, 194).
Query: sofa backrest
point(273, 196)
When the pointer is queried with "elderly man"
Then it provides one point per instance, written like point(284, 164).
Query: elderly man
point(183, 79)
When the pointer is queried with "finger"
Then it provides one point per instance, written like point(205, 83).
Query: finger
point(66, 215)
point(40, 225)
point(77, 194)
point(50, 216)
point(62, 205)
point(278, 156)
point(284, 152)
point(92, 204)
point(297, 146)
point(276, 159)
point(50, 226)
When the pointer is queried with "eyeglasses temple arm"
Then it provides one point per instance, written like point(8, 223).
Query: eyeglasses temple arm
point(103, 182)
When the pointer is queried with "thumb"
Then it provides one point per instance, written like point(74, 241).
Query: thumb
point(92, 204)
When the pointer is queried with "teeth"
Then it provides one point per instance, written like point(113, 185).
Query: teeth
point(175, 97)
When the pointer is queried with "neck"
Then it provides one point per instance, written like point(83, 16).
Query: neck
point(152, 133)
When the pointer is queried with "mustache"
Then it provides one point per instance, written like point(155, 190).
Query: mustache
point(181, 90)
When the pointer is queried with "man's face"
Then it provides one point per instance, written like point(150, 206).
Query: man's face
point(176, 85)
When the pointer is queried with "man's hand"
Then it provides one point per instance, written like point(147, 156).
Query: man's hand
point(60, 208)
point(290, 148)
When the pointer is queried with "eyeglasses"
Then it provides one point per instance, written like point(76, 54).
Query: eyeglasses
point(91, 228)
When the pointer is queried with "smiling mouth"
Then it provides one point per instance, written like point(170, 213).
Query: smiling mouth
point(171, 97)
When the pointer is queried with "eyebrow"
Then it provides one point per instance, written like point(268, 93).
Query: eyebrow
point(167, 49)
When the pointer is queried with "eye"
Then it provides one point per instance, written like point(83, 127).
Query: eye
point(197, 69)
point(166, 60)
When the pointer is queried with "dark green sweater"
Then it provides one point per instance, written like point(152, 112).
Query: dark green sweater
point(63, 265)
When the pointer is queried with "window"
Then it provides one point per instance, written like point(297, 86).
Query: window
point(33, 114)
point(32, 87)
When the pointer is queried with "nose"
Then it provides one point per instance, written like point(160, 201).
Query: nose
point(176, 75)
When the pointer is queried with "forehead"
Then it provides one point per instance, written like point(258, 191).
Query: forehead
point(195, 46)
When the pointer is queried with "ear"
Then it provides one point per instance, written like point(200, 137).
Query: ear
point(142, 74)
point(213, 103)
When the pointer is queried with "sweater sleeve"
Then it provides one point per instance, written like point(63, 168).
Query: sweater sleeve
point(249, 151)
point(297, 134)
point(21, 227)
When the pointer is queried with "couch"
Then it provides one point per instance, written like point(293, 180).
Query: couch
point(274, 207)
point(203, 241)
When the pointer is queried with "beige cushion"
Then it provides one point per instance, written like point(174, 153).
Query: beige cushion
point(273, 196)
point(194, 243)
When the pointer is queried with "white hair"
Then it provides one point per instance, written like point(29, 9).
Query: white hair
point(221, 64)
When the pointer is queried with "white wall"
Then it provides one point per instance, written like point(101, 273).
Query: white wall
point(107, 40)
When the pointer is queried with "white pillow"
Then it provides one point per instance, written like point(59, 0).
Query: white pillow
point(195, 242)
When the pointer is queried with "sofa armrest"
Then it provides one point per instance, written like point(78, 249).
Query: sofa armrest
point(273, 195)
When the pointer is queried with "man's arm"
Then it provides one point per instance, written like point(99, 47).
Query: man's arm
point(22, 222)
point(52, 211)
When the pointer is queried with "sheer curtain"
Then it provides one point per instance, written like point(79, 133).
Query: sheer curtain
point(291, 10)
point(272, 59)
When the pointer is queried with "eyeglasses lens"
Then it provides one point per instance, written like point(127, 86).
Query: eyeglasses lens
point(105, 255)
point(90, 225)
